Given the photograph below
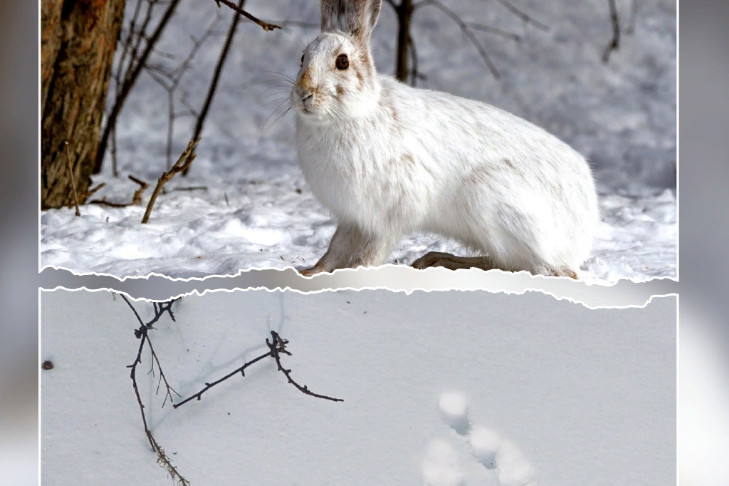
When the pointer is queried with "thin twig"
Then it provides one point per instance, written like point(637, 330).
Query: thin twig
point(133, 376)
point(200, 122)
point(276, 347)
point(143, 335)
point(465, 29)
point(630, 29)
point(88, 194)
point(494, 30)
point(111, 204)
point(189, 188)
point(129, 82)
point(162, 378)
point(264, 25)
point(526, 18)
point(114, 158)
point(615, 42)
point(170, 81)
point(93, 190)
point(414, 75)
point(137, 198)
point(187, 157)
point(296, 23)
point(208, 386)
point(73, 179)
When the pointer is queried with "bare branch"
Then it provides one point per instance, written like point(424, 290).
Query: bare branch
point(162, 378)
point(170, 81)
point(137, 198)
point(526, 18)
point(465, 29)
point(184, 162)
point(143, 335)
point(298, 23)
point(88, 194)
point(494, 30)
point(129, 82)
point(414, 60)
point(208, 386)
point(265, 25)
point(276, 347)
point(73, 179)
point(615, 42)
point(630, 29)
point(200, 122)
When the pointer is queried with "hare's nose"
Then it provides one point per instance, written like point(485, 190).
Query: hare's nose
point(303, 93)
point(307, 99)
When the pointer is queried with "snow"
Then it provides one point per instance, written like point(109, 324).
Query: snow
point(485, 444)
point(454, 411)
point(272, 225)
point(556, 393)
point(250, 207)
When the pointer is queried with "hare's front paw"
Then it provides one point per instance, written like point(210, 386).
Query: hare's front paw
point(309, 272)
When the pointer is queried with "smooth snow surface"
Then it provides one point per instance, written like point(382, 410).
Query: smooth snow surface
point(250, 207)
point(556, 393)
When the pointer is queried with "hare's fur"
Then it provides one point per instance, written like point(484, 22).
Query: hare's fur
point(388, 159)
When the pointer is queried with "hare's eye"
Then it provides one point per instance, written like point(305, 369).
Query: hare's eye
point(302, 59)
point(342, 62)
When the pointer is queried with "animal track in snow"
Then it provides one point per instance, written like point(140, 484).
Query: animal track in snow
point(443, 466)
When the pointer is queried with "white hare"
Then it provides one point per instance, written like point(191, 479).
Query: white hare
point(388, 159)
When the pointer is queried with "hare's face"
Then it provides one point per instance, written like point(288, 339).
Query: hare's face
point(336, 80)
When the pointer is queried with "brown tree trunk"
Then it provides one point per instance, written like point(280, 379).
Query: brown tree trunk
point(78, 38)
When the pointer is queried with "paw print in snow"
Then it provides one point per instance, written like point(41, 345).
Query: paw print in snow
point(442, 465)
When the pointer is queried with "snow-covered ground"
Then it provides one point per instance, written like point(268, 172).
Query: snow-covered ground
point(255, 210)
point(278, 223)
point(439, 389)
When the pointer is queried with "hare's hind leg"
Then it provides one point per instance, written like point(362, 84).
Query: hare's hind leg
point(351, 248)
point(452, 262)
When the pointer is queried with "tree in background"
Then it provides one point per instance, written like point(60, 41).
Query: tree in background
point(78, 39)
point(406, 58)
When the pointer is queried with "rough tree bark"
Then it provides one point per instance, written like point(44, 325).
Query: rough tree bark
point(78, 38)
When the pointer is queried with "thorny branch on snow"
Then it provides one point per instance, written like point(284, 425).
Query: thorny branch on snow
point(276, 347)
point(142, 333)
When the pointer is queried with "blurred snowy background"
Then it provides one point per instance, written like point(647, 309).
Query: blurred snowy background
point(249, 206)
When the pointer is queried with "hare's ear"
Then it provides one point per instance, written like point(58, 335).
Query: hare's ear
point(354, 17)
